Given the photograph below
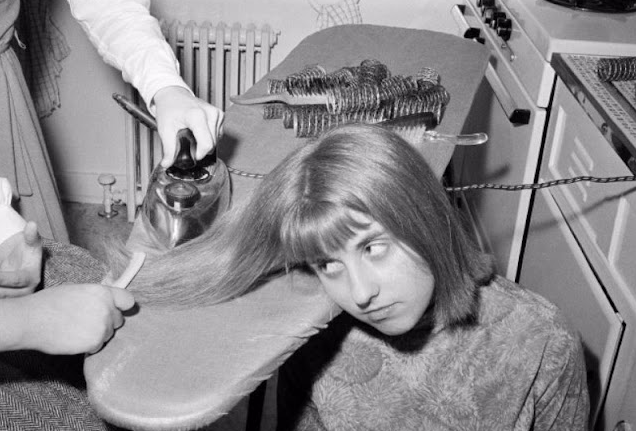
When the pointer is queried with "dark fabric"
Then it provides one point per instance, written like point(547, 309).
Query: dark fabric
point(45, 393)
point(67, 263)
point(47, 47)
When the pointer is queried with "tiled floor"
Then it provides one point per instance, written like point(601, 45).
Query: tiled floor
point(87, 229)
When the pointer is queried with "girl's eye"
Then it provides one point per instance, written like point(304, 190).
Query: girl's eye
point(377, 249)
point(329, 267)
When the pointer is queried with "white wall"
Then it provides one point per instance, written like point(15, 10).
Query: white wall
point(296, 19)
point(87, 135)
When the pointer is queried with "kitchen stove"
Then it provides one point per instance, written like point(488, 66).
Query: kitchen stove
point(523, 37)
point(529, 41)
point(553, 28)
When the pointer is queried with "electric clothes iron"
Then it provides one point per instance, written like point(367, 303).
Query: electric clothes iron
point(183, 200)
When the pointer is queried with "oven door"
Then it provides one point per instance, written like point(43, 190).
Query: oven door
point(514, 125)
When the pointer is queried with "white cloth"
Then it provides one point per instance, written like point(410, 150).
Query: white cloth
point(10, 221)
point(130, 39)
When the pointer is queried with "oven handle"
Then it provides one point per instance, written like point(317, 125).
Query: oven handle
point(465, 30)
point(457, 12)
point(515, 115)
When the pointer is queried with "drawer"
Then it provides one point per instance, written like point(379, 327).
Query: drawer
point(577, 148)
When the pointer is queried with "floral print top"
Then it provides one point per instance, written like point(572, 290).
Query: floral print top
point(519, 367)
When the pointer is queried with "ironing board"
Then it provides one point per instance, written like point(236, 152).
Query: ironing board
point(183, 369)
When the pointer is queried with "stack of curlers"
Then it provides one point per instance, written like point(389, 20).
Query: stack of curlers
point(367, 93)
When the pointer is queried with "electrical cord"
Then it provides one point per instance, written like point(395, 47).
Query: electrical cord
point(245, 174)
point(518, 187)
point(504, 187)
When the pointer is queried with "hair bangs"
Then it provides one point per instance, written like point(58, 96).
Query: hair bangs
point(314, 231)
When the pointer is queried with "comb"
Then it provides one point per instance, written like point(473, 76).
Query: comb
point(415, 129)
point(286, 98)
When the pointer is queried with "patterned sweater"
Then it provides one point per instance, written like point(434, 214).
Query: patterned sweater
point(520, 367)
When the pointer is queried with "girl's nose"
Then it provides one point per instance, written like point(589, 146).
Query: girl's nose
point(363, 287)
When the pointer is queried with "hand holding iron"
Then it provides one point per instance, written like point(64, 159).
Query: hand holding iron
point(176, 109)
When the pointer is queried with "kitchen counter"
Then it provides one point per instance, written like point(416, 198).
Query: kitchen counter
point(610, 105)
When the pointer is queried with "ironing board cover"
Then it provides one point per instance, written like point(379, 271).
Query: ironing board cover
point(172, 369)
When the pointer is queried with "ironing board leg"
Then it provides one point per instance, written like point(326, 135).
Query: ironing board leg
point(255, 408)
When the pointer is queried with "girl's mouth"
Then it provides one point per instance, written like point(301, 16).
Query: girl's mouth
point(381, 313)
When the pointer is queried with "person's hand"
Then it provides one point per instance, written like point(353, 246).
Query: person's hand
point(73, 318)
point(176, 108)
point(21, 262)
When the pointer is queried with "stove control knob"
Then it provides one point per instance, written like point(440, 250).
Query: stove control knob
point(495, 18)
point(487, 13)
point(504, 28)
point(472, 33)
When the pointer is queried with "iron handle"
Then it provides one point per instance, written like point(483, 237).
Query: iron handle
point(186, 150)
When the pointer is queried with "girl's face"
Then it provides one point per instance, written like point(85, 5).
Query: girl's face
point(378, 280)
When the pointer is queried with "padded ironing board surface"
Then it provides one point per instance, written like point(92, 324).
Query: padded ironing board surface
point(182, 369)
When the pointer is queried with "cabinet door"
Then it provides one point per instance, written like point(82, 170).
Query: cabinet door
point(555, 267)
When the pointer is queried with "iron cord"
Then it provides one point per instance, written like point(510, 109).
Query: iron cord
point(543, 185)
point(244, 173)
point(504, 187)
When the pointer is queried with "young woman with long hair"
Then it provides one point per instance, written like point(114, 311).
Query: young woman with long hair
point(432, 338)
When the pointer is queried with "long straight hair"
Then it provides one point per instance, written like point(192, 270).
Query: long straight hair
point(301, 212)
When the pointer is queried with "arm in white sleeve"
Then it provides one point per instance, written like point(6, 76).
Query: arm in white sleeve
point(130, 39)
